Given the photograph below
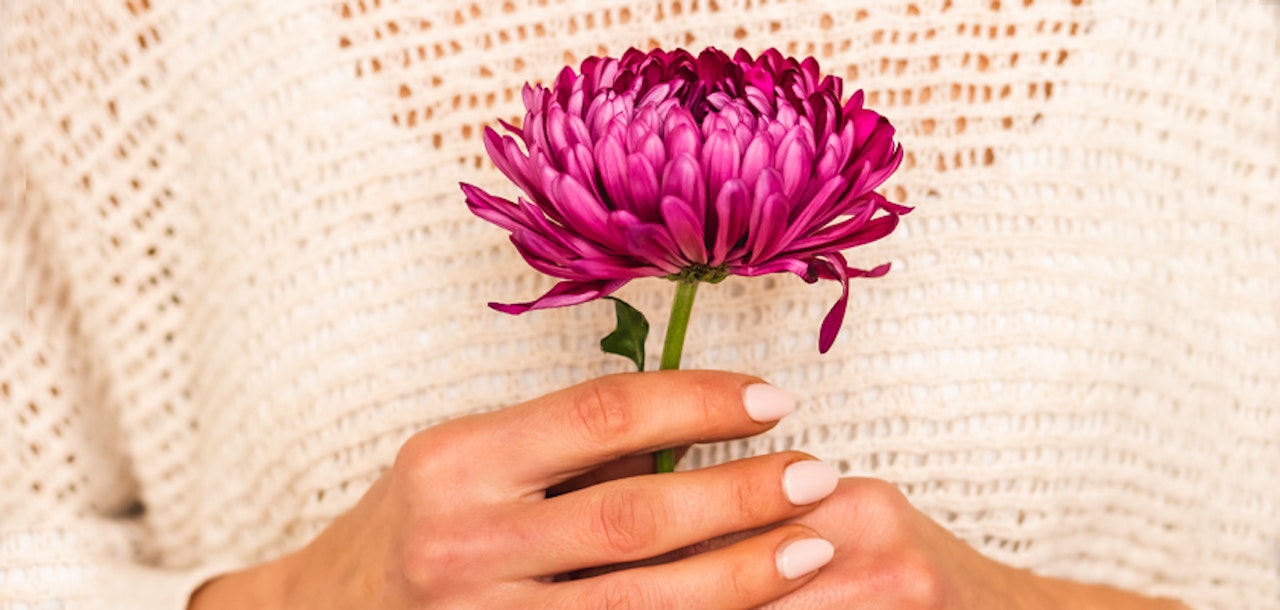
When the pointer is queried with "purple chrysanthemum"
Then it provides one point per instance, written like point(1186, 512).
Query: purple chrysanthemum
point(670, 165)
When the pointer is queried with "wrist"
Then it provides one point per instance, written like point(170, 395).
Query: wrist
point(1081, 596)
point(265, 586)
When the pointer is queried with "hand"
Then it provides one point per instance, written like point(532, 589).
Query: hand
point(463, 518)
point(890, 555)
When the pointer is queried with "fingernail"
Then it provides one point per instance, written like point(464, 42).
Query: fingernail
point(804, 556)
point(808, 481)
point(766, 403)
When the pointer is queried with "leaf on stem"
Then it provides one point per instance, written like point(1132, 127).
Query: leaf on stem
point(627, 339)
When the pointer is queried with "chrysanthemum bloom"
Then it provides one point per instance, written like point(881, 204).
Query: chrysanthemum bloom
point(662, 164)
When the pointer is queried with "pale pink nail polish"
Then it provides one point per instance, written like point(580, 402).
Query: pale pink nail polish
point(809, 481)
point(766, 403)
point(804, 556)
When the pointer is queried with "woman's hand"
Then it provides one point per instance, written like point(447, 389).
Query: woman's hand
point(463, 518)
point(890, 555)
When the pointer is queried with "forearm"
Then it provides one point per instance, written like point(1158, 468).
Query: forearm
point(263, 586)
point(1070, 595)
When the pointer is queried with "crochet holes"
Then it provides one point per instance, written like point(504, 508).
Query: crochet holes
point(138, 7)
point(964, 87)
point(412, 52)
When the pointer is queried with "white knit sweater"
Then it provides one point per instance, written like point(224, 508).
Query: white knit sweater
point(236, 272)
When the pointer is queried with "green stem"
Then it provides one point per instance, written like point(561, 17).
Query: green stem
point(673, 349)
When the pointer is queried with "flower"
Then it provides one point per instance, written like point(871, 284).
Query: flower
point(663, 164)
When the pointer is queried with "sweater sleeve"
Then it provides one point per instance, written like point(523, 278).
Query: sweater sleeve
point(73, 532)
point(95, 423)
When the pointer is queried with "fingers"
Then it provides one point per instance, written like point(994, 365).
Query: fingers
point(553, 438)
point(745, 575)
point(621, 468)
point(646, 516)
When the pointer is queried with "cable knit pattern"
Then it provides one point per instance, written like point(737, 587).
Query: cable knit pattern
point(237, 272)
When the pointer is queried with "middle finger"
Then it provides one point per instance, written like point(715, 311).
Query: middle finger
point(646, 516)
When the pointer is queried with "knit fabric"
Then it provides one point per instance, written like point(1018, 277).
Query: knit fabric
point(236, 273)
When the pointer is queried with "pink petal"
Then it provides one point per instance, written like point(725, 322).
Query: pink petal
point(642, 181)
point(843, 236)
point(536, 220)
point(721, 160)
point(651, 243)
point(611, 162)
point(767, 223)
point(579, 207)
point(682, 178)
point(494, 209)
point(557, 130)
point(563, 294)
point(654, 151)
point(835, 264)
point(732, 213)
point(529, 251)
point(509, 159)
point(579, 163)
point(613, 268)
point(684, 140)
point(759, 155)
point(795, 160)
point(782, 265)
point(686, 228)
point(816, 204)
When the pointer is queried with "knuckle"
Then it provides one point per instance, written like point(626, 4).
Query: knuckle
point(705, 397)
point(879, 498)
point(738, 583)
point(421, 559)
point(749, 497)
point(435, 447)
point(920, 582)
point(621, 594)
point(601, 412)
point(448, 555)
point(415, 453)
point(701, 393)
point(625, 521)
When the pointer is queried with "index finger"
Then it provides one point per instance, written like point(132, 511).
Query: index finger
point(552, 438)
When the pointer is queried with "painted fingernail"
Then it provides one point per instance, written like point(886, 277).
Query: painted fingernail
point(766, 403)
point(804, 556)
point(808, 481)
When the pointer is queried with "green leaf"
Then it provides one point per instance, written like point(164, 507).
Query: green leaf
point(627, 340)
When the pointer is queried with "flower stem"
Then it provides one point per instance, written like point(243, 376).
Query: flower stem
point(673, 349)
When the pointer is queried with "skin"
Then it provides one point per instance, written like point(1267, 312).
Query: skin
point(497, 538)
point(562, 475)
point(891, 556)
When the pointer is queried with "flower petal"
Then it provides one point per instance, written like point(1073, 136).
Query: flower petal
point(686, 228)
point(843, 236)
point(795, 160)
point(579, 207)
point(732, 217)
point(510, 160)
point(721, 160)
point(615, 268)
point(682, 178)
point(767, 223)
point(496, 210)
point(683, 140)
point(651, 243)
point(802, 221)
point(758, 156)
point(611, 163)
point(780, 265)
point(642, 182)
point(563, 294)
point(834, 264)
point(534, 250)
